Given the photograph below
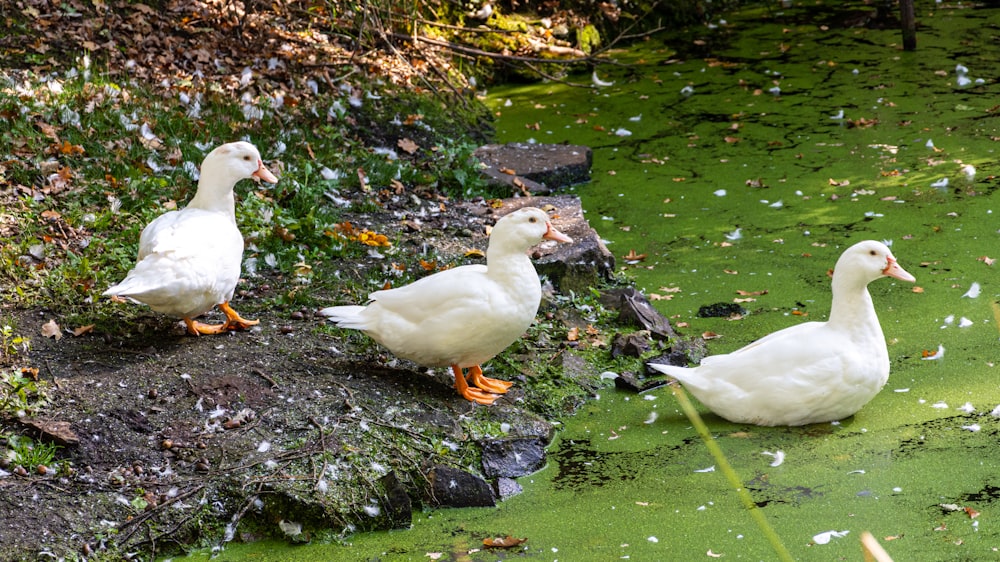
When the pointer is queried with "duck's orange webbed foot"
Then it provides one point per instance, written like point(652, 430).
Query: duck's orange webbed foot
point(196, 328)
point(496, 386)
point(469, 393)
point(233, 319)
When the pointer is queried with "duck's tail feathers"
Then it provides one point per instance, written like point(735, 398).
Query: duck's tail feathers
point(344, 316)
point(683, 374)
point(127, 288)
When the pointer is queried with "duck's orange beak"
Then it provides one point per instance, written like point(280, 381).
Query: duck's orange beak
point(552, 234)
point(892, 269)
point(263, 173)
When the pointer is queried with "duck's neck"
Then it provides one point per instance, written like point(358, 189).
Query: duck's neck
point(505, 265)
point(852, 306)
point(210, 197)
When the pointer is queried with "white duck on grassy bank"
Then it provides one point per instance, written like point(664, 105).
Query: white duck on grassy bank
point(189, 260)
point(812, 372)
point(462, 317)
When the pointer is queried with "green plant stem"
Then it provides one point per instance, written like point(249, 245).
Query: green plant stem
point(727, 469)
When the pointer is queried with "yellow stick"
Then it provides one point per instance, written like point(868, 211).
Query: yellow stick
point(734, 479)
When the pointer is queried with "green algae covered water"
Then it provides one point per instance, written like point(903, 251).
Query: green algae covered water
point(739, 161)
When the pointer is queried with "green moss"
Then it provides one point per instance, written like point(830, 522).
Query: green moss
point(588, 38)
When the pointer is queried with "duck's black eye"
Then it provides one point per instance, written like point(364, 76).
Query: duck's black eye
point(246, 157)
point(873, 252)
point(532, 219)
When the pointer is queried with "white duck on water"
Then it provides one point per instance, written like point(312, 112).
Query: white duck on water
point(812, 372)
point(189, 260)
point(462, 317)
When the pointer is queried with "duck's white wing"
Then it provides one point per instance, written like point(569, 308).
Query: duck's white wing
point(452, 289)
point(188, 262)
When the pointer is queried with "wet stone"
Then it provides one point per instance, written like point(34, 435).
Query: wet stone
point(721, 310)
point(452, 487)
point(630, 345)
point(397, 504)
point(512, 456)
point(635, 309)
point(632, 383)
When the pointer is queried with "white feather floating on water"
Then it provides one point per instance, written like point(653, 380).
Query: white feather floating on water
point(598, 82)
point(973, 291)
point(939, 354)
point(824, 538)
point(779, 457)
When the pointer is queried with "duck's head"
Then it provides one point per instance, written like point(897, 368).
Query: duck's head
point(523, 229)
point(870, 260)
point(220, 171)
point(235, 161)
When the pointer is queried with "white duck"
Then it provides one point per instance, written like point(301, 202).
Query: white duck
point(189, 260)
point(812, 372)
point(462, 317)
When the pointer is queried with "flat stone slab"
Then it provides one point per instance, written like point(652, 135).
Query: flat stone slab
point(535, 168)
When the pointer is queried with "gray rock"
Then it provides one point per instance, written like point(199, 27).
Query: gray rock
point(452, 487)
point(633, 308)
point(507, 488)
point(630, 382)
point(538, 168)
point(512, 456)
point(630, 345)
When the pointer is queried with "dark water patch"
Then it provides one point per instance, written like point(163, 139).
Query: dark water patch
point(581, 466)
point(764, 493)
point(987, 495)
point(947, 433)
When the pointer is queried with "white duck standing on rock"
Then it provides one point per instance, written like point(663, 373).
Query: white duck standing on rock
point(462, 317)
point(189, 260)
point(812, 372)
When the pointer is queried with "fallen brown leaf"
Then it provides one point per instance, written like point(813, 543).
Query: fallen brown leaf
point(632, 256)
point(710, 336)
point(83, 330)
point(51, 330)
point(503, 542)
point(573, 334)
